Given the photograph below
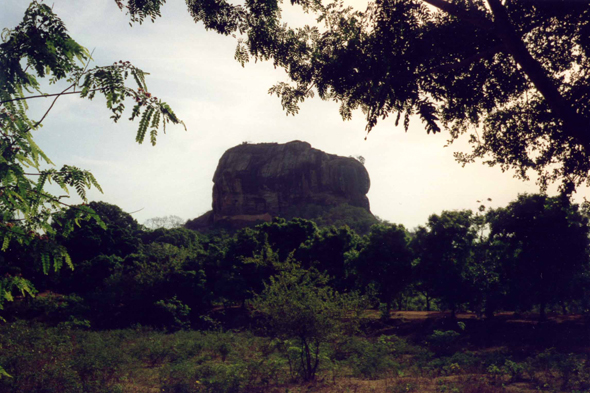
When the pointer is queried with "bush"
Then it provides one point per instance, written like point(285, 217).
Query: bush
point(298, 305)
point(443, 342)
point(175, 313)
point(371, 359)
point(52, 308)
point(513, 370)
point(99, 359)
point(200, 375)
point(46, 360)
point(571, 368)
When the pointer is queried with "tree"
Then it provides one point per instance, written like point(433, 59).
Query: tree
point(91, 247)
point(513, 74)
point(41, 48)
point(119, 235)
point(167, 222)
point(150, 286)
point(545, 246)
point(286, 236)
point(331, 251)
point(445, 252)
point(297, 304)
point(248, 262)
point(386, 261)
point(179, 237)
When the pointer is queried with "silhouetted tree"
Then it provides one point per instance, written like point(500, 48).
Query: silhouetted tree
point(386, 261)
point(445, 251)
point(330, 252)
point(286, 236)
point(545, 245)
point(121, 236)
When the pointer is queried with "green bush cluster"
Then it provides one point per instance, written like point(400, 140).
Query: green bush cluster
point(60, 360)
point(372, 360)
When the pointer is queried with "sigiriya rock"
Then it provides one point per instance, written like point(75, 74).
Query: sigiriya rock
point(255, 182)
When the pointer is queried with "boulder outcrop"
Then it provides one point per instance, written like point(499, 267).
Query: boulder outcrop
point(255, 182)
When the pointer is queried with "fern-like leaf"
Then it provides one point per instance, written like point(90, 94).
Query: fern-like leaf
point(93, 181)
point(45, 262)
point(6, 241)
point(67, 259)
point(427, 112)
point(58, 261)
point(143, 125)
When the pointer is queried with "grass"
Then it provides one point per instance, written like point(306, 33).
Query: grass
point(426, 355)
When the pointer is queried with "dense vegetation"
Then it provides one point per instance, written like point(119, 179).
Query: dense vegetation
point(287, 301)
point(530, 255)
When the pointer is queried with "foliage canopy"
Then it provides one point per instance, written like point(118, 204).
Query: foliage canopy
point(543, 245)
point(512, 75)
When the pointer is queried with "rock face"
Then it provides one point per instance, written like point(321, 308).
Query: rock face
point(255, 182)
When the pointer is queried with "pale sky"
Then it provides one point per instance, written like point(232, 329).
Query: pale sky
point(222, 104)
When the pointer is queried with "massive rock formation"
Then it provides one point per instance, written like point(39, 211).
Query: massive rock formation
point(255, 182)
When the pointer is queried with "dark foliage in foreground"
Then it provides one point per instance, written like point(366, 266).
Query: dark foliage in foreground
point(531, 255)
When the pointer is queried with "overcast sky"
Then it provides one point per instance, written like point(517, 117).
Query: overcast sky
point(222, 104)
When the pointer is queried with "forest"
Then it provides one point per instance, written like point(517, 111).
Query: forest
point(289, 303)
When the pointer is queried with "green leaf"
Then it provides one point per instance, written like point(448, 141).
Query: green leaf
point(3, 373)
point(45, 262)
point(6, 241)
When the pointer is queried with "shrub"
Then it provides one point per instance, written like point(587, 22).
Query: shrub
point(179, 377)
point(52, 308)
point(371, 359)
point(571, 368)
point(443, 342)
point(47, 360)
point(99, 359)
point(175, 313)
point(190, 376)
point(298, 305)
point(452, 365)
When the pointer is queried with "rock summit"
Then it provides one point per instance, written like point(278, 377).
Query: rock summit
point(255, 182)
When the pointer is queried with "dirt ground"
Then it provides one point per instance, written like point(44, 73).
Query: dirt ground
point(503, 316)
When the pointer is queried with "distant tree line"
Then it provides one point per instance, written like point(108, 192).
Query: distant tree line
point(529, 255)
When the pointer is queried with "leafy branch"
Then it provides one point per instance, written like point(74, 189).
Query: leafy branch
point(40, 47)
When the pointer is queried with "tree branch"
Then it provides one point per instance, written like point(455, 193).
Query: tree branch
point(465, 62)
point(45, 95)
point(53, 103)
point(574, 124)
point(471, 17)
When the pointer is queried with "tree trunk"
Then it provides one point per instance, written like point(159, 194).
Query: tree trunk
point(489, 312)
point(316, 360)
point(542, 313)
point(490, 309)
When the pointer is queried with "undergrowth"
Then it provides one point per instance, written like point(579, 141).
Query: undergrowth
point(65, 359)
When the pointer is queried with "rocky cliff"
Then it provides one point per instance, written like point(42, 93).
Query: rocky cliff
point(255, 182)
